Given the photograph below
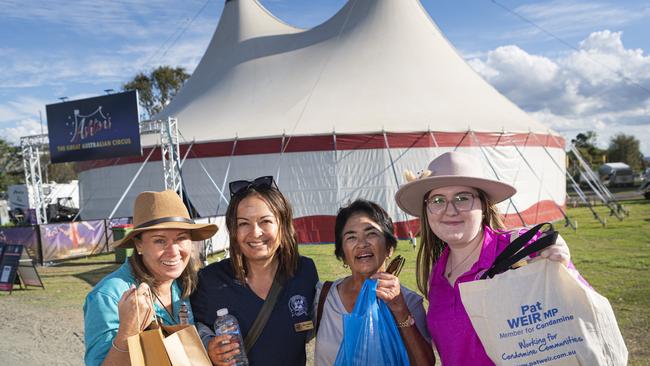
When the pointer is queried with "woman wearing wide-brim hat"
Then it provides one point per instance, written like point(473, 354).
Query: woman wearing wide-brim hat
point(157, 278)
point(461, 236)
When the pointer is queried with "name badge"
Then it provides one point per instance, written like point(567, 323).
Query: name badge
point(304, 326)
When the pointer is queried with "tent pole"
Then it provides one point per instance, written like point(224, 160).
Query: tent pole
point(212, 181)
point(609, 199)
point(336, 167)
point(225, 177)
point(521, 218)
point(567, 221)
point(574, 185)
point(128, 188)
point(392, 165)
point(461, 140)
point(282, 148)
point(187, 153)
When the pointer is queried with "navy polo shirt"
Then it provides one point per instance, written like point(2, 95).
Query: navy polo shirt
point(279, 343)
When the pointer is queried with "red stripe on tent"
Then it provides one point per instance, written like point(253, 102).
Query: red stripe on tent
point(343, 142)
point(320, 229)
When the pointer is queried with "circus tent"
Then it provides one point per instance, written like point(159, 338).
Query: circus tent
point(337, 112)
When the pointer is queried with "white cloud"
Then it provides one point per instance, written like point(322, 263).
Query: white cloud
point(21, 108)
point(601, 86)
point(24, 127)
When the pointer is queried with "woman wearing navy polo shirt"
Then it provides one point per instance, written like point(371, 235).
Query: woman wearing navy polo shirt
point(263, 247)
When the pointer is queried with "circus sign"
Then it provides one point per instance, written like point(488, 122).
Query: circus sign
point(94, 128)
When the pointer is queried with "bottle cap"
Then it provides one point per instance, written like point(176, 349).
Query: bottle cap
point(222, 312)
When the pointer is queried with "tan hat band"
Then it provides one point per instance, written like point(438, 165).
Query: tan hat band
point(165, 219)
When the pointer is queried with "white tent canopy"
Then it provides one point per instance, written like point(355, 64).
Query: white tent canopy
point(312, 106)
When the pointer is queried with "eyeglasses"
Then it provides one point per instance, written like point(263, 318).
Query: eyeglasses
point(438, 203)
point(240, 186)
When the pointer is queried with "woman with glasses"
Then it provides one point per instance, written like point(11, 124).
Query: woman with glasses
point(364, 240)
point(462, 234)
point(265, 283)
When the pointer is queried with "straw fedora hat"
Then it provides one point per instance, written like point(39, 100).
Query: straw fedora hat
point(451, 169)
point(163, 210)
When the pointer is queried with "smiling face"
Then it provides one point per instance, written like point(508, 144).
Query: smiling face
point(364, 245)
point(456, 228)
point(165, 252)
point(257, 229)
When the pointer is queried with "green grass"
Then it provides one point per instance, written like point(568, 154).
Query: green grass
point(615, 260)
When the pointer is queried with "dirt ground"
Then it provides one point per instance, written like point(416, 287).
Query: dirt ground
point(33, 336)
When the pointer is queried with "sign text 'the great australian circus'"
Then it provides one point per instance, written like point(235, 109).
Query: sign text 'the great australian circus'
point(94, 128)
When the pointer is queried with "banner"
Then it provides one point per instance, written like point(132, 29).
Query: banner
point(94, 128)
point(24, 235)
point(74, 239)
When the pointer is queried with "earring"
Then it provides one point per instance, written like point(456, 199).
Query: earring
point(139, 253)
point(345, 265)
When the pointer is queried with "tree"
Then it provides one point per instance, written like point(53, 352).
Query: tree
point(625, 148)
point(586, 144)
point(158, 88)
point(11, 165)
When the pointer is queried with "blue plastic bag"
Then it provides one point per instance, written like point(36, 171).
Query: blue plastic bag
point(370, 336)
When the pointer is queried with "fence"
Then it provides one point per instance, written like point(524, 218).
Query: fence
point(55, 242)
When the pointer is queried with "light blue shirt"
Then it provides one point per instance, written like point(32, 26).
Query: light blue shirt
point(101, 316)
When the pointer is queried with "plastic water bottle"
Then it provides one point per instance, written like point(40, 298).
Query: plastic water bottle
point(228, 324)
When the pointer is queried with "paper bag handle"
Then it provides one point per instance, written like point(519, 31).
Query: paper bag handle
point(148, 315)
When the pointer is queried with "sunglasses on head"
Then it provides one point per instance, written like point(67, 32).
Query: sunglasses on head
point(240, 186)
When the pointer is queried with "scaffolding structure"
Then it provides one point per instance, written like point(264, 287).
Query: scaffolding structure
point(170, 150)
point(31, 151)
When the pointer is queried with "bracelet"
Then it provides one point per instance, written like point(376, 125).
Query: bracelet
point(408, 322)
point(118, 348)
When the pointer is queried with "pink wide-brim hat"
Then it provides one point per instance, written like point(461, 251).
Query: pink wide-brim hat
point(451, 169)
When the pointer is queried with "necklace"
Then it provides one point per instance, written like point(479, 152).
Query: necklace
point(463, 261)
point(171, 304)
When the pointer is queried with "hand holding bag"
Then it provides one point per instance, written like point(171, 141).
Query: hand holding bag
point(370, 336)
point(163, 345)
point(542, 313)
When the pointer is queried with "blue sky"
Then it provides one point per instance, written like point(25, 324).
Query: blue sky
point(597, 77)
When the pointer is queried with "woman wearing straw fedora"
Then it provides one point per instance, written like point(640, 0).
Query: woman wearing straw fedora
point(462, 234)
point(158, 278)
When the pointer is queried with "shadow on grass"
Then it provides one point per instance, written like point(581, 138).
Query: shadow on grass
point(95, 275)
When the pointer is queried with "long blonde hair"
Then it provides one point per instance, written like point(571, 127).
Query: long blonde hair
point(432, 246)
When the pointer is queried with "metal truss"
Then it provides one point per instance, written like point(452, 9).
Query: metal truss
point(31, 150)
point(169, 146)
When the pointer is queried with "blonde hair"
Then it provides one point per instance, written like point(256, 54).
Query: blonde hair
point(432, 246)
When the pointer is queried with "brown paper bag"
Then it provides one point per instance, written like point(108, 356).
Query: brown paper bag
point(177, 345)
point(184, 346)
point(162, 345)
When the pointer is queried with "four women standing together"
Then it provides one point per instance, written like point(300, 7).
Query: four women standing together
point(271, 289)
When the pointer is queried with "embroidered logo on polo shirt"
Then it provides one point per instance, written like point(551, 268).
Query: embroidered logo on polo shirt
point(298, 305)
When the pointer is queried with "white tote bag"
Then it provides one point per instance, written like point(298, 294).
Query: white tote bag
point(542, 314)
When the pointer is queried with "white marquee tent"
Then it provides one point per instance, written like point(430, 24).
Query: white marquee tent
point(338, 112)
